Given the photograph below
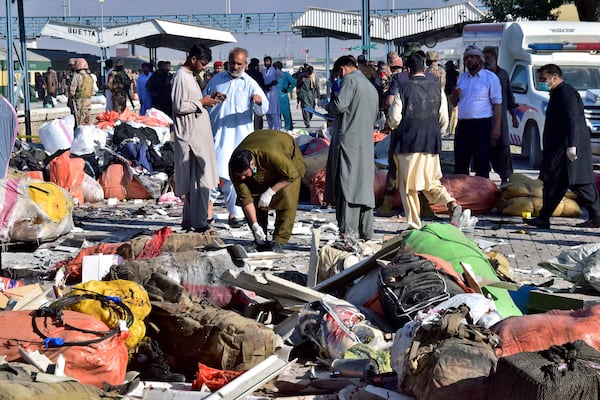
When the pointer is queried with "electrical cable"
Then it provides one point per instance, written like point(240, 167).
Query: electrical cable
point(55, 311)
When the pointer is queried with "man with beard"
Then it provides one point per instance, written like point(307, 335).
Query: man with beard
point(232, 121)
point(195, 163)
point(478, 95)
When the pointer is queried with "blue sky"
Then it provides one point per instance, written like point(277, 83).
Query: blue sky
point(258, 45)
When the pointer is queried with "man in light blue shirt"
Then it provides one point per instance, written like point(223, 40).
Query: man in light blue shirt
point(478, 95)
point(232, 121)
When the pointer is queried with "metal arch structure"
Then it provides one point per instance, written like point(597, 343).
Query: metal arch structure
point(426, 26)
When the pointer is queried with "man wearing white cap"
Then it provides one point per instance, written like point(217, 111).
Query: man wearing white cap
point(478, 95)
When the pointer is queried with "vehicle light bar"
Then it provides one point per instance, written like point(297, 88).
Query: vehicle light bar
point(564, 46)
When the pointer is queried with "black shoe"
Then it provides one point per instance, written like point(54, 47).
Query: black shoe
point(590, 223)
point(266, 246)
point(236, 223)
point(538, 222)
point(151, 363)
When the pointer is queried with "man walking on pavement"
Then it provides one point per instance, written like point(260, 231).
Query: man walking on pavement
point(567, 154)
point(350, 166)
point(266, 170)
point(420, 114)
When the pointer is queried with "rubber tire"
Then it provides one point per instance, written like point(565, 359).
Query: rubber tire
point(534, 149)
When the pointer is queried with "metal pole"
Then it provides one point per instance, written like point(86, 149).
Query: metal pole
point(10, 61)
point(327, 65)
point(366, 29)
point(102, 47)
point(25, 69)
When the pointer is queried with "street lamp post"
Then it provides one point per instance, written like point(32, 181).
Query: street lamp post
point(101, 40)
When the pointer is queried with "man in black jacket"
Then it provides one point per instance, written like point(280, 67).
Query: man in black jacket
point(567, 153)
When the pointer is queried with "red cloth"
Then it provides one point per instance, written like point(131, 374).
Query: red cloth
point(154, 246)
point(213, 378)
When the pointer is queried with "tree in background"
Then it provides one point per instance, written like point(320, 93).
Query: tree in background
point(530, 9)
point(587, 10)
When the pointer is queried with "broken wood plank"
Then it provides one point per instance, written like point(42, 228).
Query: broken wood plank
point(313, 263)
point(269, 286)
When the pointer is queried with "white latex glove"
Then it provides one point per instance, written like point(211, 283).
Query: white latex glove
point(259, 234)
point(572, 153)
point(265, 198)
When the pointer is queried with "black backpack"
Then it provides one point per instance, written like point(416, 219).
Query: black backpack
point(410, 284)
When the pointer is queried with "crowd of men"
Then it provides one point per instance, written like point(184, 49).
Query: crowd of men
point(221, 147)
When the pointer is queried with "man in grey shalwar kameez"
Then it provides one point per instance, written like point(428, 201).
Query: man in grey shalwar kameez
point(351, 165)
point(195, 162)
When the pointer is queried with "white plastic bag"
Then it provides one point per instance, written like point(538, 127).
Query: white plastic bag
point(88, 139)
point(159, 115)
point(57, 134)
point(92, 190)
point(479, 307)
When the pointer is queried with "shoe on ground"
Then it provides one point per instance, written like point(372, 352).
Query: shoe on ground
point(236, 223)
point(277, 248)
point(537, 222)
point(590, 223)
point(455, 214)
point(151, 362)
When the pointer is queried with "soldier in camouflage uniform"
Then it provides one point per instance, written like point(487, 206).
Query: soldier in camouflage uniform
point(434, 68)
point(80, 92)
point(119, 84)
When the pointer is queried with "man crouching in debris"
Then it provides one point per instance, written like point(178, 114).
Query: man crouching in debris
point(266, 170)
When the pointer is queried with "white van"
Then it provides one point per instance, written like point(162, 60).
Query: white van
point(523, 47)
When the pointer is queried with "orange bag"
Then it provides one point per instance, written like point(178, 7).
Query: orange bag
point(476, 193)
point(67, 173)
point(536, 332)
point(112, 182)
point(93, 363)
point(116, 184)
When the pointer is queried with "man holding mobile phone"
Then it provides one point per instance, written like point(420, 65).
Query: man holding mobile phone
point(232, 120)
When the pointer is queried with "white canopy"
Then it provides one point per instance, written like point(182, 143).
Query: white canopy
point(152, 34)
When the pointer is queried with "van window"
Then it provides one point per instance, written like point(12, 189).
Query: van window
point(579, 76)
point(519, 81)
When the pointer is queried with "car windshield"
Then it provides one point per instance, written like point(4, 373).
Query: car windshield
point(578, 76)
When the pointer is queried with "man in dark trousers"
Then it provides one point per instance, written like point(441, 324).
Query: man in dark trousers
point(266, 170)
point(567, 154)
point(500, 156)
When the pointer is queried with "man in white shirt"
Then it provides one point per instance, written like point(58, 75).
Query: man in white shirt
point(232, 120)
point(478, 95)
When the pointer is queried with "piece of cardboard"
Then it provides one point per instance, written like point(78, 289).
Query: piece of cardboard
point(22, 294)
point(96, 266)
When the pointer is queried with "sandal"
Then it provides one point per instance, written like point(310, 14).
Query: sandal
point(208, 231)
